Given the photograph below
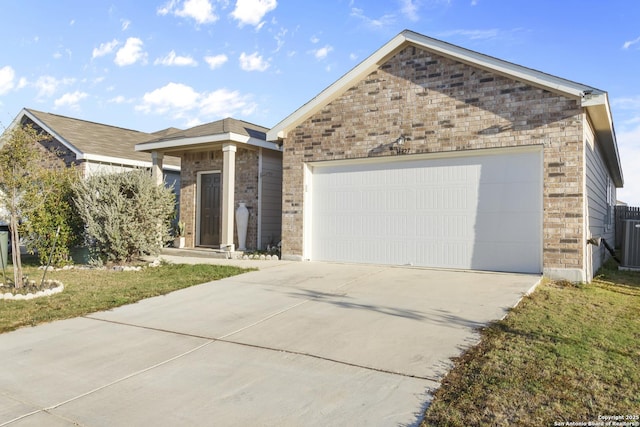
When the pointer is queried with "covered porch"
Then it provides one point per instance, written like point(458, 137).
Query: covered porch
point(224, 165)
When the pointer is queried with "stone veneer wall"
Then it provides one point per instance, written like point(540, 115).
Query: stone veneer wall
point(442, 105)
point(246, 188)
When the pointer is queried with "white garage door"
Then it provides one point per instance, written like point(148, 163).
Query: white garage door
point(481, 212)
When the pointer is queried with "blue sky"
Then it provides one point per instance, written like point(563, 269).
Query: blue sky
point(151, 64)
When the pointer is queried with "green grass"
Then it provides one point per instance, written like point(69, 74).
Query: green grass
point(88, 291)
point(567, 353)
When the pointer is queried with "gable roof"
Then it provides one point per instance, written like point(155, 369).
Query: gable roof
point(97, 142)
point(595, 101)
point(224, 130)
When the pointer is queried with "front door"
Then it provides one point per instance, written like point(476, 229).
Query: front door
point(210, 204)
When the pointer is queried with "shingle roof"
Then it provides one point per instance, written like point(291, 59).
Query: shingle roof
point(228, 125)
point(98, 139)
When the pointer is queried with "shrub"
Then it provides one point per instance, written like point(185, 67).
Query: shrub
point(55, 209)
point(125, 214)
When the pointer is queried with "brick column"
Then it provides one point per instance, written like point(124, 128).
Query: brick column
point(228, 201)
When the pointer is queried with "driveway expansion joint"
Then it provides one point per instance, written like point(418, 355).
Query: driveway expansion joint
point(223, 339)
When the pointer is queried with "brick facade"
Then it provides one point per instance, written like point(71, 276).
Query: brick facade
point(246, 188)
point(55, 155)
point(445, 106)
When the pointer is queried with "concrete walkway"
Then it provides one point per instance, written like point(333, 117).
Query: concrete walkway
point(295, 343)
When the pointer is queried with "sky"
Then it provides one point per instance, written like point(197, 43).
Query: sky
point(152, 64)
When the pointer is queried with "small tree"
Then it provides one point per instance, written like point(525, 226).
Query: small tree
point(19, 170)
point(125, 214)
point(55, 210)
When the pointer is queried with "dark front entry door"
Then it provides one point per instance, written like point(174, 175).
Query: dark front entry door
point(210, 209)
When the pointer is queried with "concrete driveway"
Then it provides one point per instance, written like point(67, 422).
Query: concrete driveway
point(296, 343)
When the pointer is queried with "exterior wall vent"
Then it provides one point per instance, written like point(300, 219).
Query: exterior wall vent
point(630, 244)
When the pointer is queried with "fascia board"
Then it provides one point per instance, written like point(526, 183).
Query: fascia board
point(600, 114)
point(123, 162)
point(475, 59)
point(508, 69)
point(280, 130)
point(52, 132)
point(202, 140)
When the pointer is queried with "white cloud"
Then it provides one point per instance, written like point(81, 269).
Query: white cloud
point(253, 62)
point(119, 100)
point(410, 9)
point(473, 34)
point(125, 24)
point(353, 56)
point(628, 103)
point(629, 150)
point(181, 101)
point(314, 39)
point(251, 12)
point(177, 60)
point(630, 43)
point(22, 82)
point(199, 10)
point(216, 61)
point(280, 39)
point(225, 103)
point(628, 137)
point(175, 97)
point(383, 22)
point(70, 99)
point(48, 85)
point(7, 75)
point(131, 52)
point(104, 49)
point(322, 52)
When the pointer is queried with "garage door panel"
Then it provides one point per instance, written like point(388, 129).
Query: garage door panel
point(476, 212)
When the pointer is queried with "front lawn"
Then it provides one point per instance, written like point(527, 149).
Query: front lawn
point(567, 354)
point(87, 291)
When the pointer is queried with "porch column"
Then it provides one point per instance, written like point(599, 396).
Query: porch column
point(228, 189)
point(156, 166)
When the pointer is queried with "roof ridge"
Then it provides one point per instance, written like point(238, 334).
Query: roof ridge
point(32, 111)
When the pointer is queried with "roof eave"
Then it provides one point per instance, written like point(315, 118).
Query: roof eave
point(169, 145)
point(279, 131)
point(95, 158)
point(25, 112)
point(405, 38)
point(600, 114)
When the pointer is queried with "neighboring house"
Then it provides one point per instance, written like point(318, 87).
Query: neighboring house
point(432, 155)
point(94, 148)
point(225, 163)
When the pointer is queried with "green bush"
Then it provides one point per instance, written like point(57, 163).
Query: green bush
point(52, 209)
point(126, 215)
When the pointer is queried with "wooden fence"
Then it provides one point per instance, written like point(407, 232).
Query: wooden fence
point(622, 213)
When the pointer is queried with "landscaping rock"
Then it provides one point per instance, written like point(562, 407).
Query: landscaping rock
point(55, 287)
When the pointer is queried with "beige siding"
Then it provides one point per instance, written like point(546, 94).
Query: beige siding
point(600, 201)
point(271, 198)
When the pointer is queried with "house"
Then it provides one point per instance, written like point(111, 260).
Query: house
point(433, 155)
point(94, 148)
point(224, 164)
